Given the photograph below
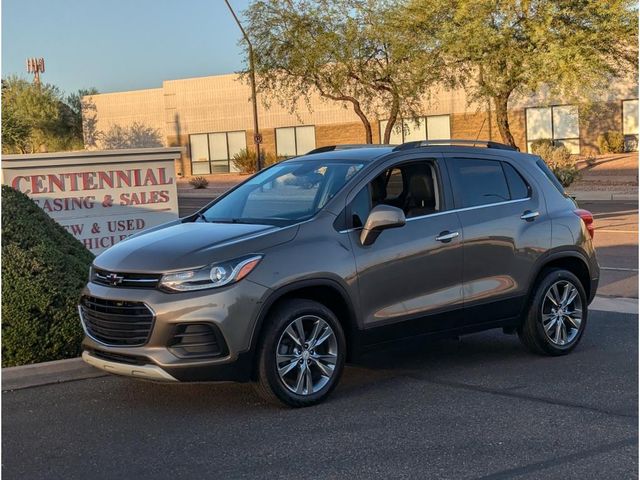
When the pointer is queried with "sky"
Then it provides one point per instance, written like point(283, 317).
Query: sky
point(116, 45)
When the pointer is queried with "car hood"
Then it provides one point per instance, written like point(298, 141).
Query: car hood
point(190, 245)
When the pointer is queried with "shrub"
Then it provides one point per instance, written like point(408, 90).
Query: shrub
point(541, 143)
point(43, 270)
point(199, 182)
point(559, 161)
point(611, 142)
point(245, 160)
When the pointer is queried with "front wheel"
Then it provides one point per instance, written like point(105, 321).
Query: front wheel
point(557, 314)
point(302, 354)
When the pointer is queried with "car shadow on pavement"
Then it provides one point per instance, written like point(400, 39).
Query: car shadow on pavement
point(486, 362)
point(430, 358)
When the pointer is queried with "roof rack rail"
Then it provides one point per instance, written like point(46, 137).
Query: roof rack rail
point(331, 148)
point(454, 142)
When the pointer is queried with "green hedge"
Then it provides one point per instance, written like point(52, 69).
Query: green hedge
point(43, 270)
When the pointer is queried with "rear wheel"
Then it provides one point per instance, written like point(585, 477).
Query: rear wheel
point(557, 314)
point(302, 354)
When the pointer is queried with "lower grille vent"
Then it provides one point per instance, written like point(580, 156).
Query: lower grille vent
point(197, 340)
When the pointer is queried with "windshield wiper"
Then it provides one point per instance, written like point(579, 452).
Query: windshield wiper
point(245, 221)
point(227, 220)
point(200, 216)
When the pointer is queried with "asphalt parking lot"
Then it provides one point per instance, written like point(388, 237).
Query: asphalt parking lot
point(478, 407)
point(616, 241)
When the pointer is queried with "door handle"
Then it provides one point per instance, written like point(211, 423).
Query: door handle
point(446, 236)
point(528, 215)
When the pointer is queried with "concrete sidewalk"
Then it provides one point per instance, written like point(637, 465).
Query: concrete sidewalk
point(609, 177)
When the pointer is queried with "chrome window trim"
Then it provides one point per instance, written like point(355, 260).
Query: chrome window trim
point(475, 207)
point(454, 210)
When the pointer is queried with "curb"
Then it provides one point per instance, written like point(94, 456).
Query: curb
point(204, 192)
point(39, 374)
point(60, 371)
point(615, 304)
point(586, 196)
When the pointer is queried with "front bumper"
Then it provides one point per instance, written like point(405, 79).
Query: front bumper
point(232, 310)
point(148, 372)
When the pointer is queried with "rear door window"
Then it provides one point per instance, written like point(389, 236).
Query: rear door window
point(517, 185)
point(478, 182)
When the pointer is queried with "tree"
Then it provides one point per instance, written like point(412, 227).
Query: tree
point(81, 107)
point(15, 132)
point(38, 117)
point(498, 48)
point(34, 109)
point(343, 50)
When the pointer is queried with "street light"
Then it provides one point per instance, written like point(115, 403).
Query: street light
point(257, 137)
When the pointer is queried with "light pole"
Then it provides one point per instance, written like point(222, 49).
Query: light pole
point(257, 137)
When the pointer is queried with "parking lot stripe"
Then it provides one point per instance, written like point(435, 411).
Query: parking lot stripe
point(619, 269)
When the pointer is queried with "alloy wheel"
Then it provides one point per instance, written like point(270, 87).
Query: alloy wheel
point(561, 313)
point(306, 355)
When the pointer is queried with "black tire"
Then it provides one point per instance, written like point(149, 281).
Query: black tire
point(532, 332)
point(269, 385)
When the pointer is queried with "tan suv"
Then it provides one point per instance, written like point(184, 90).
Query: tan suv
point(318, 258)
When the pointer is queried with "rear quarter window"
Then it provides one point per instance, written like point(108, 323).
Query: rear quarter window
point(550, 175)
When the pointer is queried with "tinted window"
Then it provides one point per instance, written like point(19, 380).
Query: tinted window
point(360, 207)
point(479, 182)
point(421, 198)
point(394, 184)
point(549, 174)
point(517, 185)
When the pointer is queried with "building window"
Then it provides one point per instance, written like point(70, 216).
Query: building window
point(630, 123)
point(558, 123)
point(292, 141)
point(212, 152)
point(432, 127)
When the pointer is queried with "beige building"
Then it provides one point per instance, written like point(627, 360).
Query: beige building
point(212, 118)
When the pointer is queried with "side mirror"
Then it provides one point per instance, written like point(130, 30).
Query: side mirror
point(381, 218)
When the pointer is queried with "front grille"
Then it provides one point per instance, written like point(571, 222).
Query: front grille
point(128, 280)
point(116, 322)
point(197, 340)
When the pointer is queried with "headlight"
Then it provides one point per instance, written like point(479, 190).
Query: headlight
point(211, 276)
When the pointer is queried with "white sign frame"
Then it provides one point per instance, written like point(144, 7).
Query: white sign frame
point(100, 197)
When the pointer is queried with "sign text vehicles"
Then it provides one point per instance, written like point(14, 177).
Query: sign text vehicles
point(101, 203)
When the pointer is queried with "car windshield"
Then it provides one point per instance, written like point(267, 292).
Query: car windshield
point(283, 194)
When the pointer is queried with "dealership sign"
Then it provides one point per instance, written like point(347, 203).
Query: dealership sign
point(101, 197)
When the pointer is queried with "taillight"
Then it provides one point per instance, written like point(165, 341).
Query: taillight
point(587, 218)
